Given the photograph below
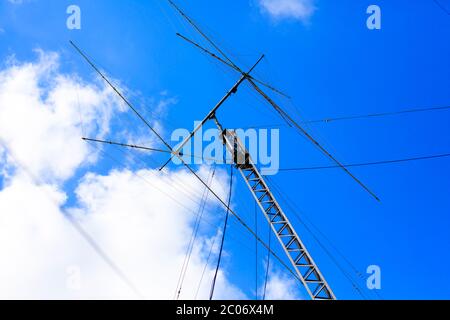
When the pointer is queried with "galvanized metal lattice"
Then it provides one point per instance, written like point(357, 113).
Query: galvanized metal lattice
point(305, 268)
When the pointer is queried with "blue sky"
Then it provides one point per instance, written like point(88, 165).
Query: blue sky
point(331, 65)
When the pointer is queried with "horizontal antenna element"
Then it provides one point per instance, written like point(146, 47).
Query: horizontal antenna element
point(284, 115)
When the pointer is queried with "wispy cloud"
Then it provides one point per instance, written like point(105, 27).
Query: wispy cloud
point(131, 214)
point(288, 9)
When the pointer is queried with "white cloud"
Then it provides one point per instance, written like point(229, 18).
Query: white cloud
point(40, 116)
point(294, 9)
point(282, 287)
point(141, 220)
point(148, 225)
point(130, 216)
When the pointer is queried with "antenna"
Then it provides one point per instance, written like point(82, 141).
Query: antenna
point(227, 61)
point(303, 266)
point(231, 65)
point(211, 114)
point(179, 155)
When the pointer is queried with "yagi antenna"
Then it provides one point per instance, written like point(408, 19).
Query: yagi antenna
point(222, 57)
point(180, 156)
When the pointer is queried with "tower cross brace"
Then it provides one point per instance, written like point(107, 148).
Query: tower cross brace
point(305, 267)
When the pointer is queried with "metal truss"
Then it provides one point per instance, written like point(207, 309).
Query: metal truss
point(308, 272)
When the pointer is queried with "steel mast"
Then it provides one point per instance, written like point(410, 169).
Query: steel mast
point(305, 268)
point(304, 265)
